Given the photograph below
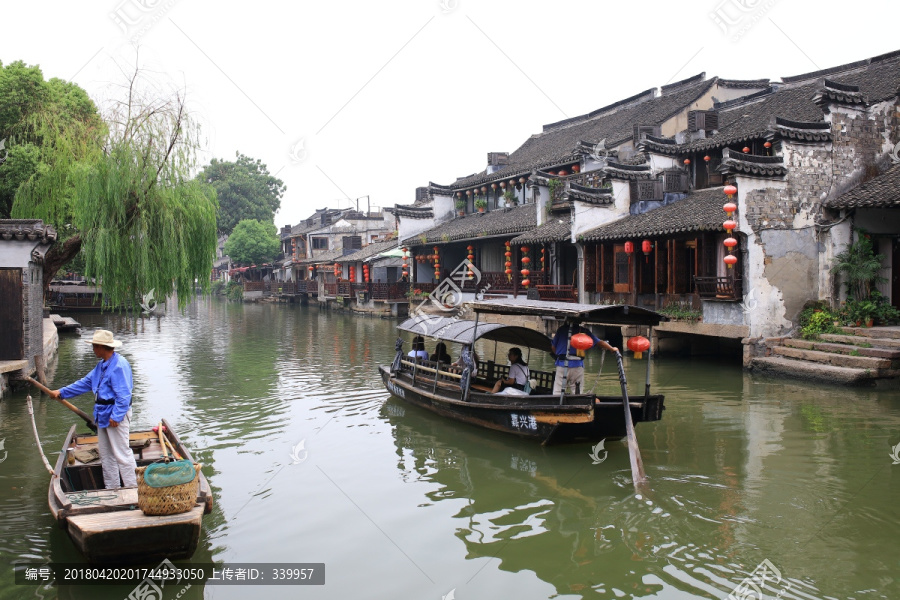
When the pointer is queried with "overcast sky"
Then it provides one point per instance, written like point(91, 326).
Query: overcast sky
point(347, 99)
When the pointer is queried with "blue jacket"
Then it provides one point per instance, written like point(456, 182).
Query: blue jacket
point(109, 380)
point(559, 345)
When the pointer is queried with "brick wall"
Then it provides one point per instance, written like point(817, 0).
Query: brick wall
point(33, 303)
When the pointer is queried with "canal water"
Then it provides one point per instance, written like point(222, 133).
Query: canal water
point(312, 461)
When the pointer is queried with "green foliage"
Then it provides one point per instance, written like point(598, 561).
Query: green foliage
point(46, 128)
point(554, 185)
point(680, 311)
point(819, 322)
point(234, 290)
point(122, 195)
point(218, 287)
point(460, 204)
point(860, 267)
point(480, 202)
point(245, 190)
point(252, 242)
point(509, 196)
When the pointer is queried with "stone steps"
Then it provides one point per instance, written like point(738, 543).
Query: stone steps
point(833, 358)
point(801, 369)
point(859, 339)
point(882, 333)
point(893, 354)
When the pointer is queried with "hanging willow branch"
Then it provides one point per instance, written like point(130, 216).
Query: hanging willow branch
point(140, 221)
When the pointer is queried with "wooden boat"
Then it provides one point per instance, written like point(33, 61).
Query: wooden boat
point(542, 416)
point(106, 525)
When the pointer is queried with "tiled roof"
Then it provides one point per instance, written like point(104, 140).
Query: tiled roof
point(751, 117)
point(501, 221)
point(327, 257)
point(33, 230)
point(881, 192)
point(590, 194)
point(411, 211)
point(749, 164)
point(368, 251)
point(557, 144)
point(815, 132)
point(554, 230)
point(699, 211)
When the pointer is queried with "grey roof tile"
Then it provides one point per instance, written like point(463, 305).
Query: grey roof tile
point(699, 211)
point(881, 192)
point(501, 221)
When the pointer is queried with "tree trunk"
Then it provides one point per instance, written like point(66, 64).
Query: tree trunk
point(56, 257)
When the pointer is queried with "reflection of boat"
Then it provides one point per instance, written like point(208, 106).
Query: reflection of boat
point(464, 393)
point(106, 525)
point(72, 296)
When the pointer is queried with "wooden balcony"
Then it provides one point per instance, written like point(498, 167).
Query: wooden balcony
point(719, 288)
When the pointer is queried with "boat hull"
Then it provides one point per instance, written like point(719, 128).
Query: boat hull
point(105, 525)
point(579, 420)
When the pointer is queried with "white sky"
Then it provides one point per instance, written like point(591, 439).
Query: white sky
point(347, 99)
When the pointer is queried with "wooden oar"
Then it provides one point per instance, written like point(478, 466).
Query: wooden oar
point(69, 405)
point(634, 453)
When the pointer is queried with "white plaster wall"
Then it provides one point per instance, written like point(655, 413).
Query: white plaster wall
point(767, 316)
point(15, 253)
point(444, 208)
point(407, 228)
point(659, 161)
point(541, 204)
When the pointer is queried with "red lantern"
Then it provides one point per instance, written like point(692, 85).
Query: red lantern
point(507, 254)
point(437, 266)
point(484, 189)
point(522, 180)
point(512, 182)
point(311, 269)
point(508, 271)
point(638, 344)
point(581, 341)
point(729, 225)
point(563, 173)
point(526, 282)
point(493, 186)
point(746, 149)
point(687, 161)
point(730, 190)
point(767, 145)
point(435, 249)
point(459, 194)
point(730, 207)
point(646, 246)
point(526, 260)
point(730, 260)
point(629, 247)
point(503, 184)
point(575, 168)
point(730, 242)
point(525, 272)
point(471, 257)
point(468, 192)
point(706, 158)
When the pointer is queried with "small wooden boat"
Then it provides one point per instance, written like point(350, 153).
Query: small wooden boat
point(106, 525)
point(451, 392)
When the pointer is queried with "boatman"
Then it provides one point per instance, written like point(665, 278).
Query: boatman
point(110, 382)
point(569, 365)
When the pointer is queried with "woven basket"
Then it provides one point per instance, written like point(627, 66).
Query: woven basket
point(171, 500)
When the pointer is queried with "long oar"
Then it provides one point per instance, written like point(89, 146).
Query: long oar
point(634, 453)
point(69, 405)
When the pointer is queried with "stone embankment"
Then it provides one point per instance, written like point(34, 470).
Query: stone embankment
point(856, 356)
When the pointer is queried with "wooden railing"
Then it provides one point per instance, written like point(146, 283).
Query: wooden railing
point(721, 288)
point(254, 286)
point(558, 293)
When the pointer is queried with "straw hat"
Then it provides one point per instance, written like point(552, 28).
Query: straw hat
point(102, 337)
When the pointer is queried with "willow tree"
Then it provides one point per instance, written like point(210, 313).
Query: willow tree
point(136, 215)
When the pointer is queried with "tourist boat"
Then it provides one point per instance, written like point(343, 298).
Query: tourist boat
point(540, 415)
point(107, 526)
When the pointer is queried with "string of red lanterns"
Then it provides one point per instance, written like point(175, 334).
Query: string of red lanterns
point(437, 265)
point(543, 253)
point(730, 225)
point(366, 272)
point(471, 258)
point(337, 270)
point(405, 262)
point(525, 271)
point(508, 265)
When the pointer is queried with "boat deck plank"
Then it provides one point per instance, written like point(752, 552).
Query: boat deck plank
point(118, 497)
point(130, 520)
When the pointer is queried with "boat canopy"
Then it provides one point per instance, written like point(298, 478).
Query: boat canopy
point(461, 332)
point(612, 314)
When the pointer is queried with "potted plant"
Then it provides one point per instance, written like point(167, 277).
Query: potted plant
point(866, 312)
point(480, 203)
point(461, 207)
point(510, 198)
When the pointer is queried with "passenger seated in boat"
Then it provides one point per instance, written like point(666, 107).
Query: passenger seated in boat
point(518, 373)
point(418, 351)
point(440, 354)
point(459, 366)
